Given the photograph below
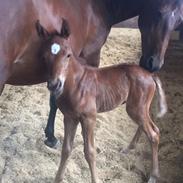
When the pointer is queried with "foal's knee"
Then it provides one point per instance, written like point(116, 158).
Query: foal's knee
point(89, 154)
point(66, 150)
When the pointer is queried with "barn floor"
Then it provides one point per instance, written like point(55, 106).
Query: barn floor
point(23, 113)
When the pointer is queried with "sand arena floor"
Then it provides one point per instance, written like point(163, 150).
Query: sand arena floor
point(23, 113)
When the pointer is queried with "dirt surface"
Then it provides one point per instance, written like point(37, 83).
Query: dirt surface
point(23, 112)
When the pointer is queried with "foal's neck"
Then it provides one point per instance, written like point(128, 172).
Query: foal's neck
point(76, 69)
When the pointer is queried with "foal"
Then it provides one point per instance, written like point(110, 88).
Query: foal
point(82, 91)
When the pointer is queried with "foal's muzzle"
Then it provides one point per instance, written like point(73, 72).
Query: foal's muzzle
point(55, 86)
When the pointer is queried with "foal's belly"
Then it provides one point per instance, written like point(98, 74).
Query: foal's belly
point(111, 93)
point(108, 106)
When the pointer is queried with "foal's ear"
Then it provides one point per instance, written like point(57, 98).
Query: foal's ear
point(65, 30)
point(42, 32)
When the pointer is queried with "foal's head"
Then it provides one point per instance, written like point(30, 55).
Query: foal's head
point(56, 53)
point(158, 19)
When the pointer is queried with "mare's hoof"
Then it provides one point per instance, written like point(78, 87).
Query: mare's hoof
point(51, 142)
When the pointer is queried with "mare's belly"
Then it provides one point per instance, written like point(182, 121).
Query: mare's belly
point(27, 72)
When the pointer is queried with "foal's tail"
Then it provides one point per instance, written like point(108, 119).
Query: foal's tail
point(161, 97)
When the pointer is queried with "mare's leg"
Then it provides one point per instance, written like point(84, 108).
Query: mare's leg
point(70, 127)
point(134, 141)
point(139, 112)
point(88, 125)
point(49, 130)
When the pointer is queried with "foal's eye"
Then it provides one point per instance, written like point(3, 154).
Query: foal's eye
point(55, 48)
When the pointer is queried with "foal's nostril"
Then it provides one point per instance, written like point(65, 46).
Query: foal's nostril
point(54, 86)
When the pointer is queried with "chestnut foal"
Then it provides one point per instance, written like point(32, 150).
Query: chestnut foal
point(82, 91)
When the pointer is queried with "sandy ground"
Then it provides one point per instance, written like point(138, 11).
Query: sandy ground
point(23, 112)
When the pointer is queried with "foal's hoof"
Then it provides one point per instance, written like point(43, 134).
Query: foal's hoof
point(125, 151)
point(152, 180)
point(51, 142)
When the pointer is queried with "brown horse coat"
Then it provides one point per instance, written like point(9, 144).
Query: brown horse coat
point(82, 91)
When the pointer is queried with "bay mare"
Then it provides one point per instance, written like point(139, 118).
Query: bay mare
point(82, 91)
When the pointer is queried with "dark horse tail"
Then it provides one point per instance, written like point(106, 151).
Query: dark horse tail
point(162, 104)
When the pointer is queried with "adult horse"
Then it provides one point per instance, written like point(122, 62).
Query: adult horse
point(156, 27)
point(91, 21)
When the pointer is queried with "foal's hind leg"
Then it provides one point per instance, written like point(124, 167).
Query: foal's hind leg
point(134, 141)
point(49, 130)
point(70, 127)
point(140, 114)
point(153, 137)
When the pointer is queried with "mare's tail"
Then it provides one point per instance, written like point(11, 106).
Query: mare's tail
point(162, 104)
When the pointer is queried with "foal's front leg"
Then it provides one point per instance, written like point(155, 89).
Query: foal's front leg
point(70, 127)
point(88, 125)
